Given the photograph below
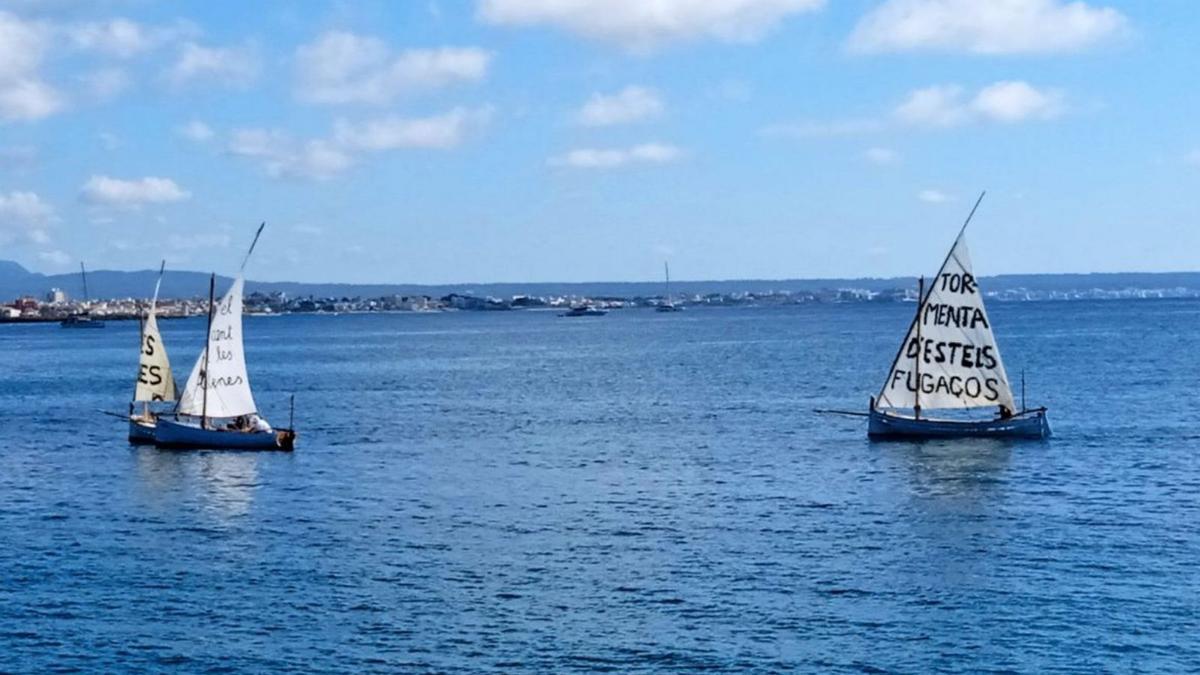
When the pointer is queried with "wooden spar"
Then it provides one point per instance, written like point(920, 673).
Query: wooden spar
point(212, 287)
point(920, 304)
point(292, 413)
point(852, 413)
point(968, 220)
point(252, 244)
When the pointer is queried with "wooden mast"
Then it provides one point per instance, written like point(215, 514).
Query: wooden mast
point(920, 305)
point(212, 287)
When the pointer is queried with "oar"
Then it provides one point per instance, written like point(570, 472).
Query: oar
point(113, 414)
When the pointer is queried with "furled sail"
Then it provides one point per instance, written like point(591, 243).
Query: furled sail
point(154, 382)
point(226, 380)
point(955, 362)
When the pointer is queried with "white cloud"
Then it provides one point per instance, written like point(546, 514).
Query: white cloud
point(103, 190)
point(933, 196)
point(815, 129)
point(342, 67)
point(392, 133)
point(881, 156)
point(55, 257)
point(640, 25)
point(1015, 101)
point(939, 106)
point(230, 66)
point(24, 95)
point(122, 38)
point(985, 26)
point(196, 131)
point(611, 158)
point(281, 155)
point(106, 84)
point(24, 215)
point(1006, 102)
point(28, 99)
point(631, 104)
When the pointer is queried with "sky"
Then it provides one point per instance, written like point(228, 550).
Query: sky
point(439, 141)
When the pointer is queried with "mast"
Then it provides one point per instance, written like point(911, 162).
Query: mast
point(667, 271)
point(920, 304)
point(83, 273)
point(212, 284)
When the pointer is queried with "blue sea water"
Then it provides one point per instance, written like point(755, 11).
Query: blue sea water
point(515, 492)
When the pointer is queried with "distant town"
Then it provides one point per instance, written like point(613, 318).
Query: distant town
point(56, 304)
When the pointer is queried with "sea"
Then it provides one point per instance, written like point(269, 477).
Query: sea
point(515, 492)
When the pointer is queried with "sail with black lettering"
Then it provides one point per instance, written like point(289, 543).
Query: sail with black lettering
point(219, 385)
point(155, 381)
point(949, 359)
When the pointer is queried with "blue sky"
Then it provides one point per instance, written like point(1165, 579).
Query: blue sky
point(576, 140)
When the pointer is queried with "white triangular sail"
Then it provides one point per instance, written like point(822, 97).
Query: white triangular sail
point(955, 363)
point(155, 381)
point(227, 383)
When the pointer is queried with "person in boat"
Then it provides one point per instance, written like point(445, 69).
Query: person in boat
point(259, 425)
point(1005, 412)
point(238, 424)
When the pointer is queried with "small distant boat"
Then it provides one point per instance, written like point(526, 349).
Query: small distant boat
point(155, 382)
point(949, 360)
point(667, 305)
point(584, 310)
point(82, 319)
point(217, 409)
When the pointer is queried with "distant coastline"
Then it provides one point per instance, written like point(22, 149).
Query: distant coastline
point(27, 297)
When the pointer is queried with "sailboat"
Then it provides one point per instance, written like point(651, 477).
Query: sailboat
point(82, 319)
point(949, 360)
point(667, 305)
point(217, 409)
point(154, 381)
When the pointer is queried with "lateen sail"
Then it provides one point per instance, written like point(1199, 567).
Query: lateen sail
point(228, 384)
point(154, 382)
point(959, 362)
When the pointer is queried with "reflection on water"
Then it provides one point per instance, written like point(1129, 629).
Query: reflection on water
point(953, 467)
point(224, 481)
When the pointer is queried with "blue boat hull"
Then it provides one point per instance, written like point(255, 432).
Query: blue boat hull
point(1031, 424)
point(172, 434)
point(141, 430)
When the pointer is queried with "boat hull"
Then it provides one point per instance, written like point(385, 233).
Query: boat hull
point(141, 431)
point(1032, 424)
point(172, 434)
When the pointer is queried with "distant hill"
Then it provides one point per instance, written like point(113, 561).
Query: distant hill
point(16, 281)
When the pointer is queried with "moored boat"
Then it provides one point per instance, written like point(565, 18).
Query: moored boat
point(216, 409)
point(949, 360)
point(667, 304)
point(82, 319)
point(584, 310)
